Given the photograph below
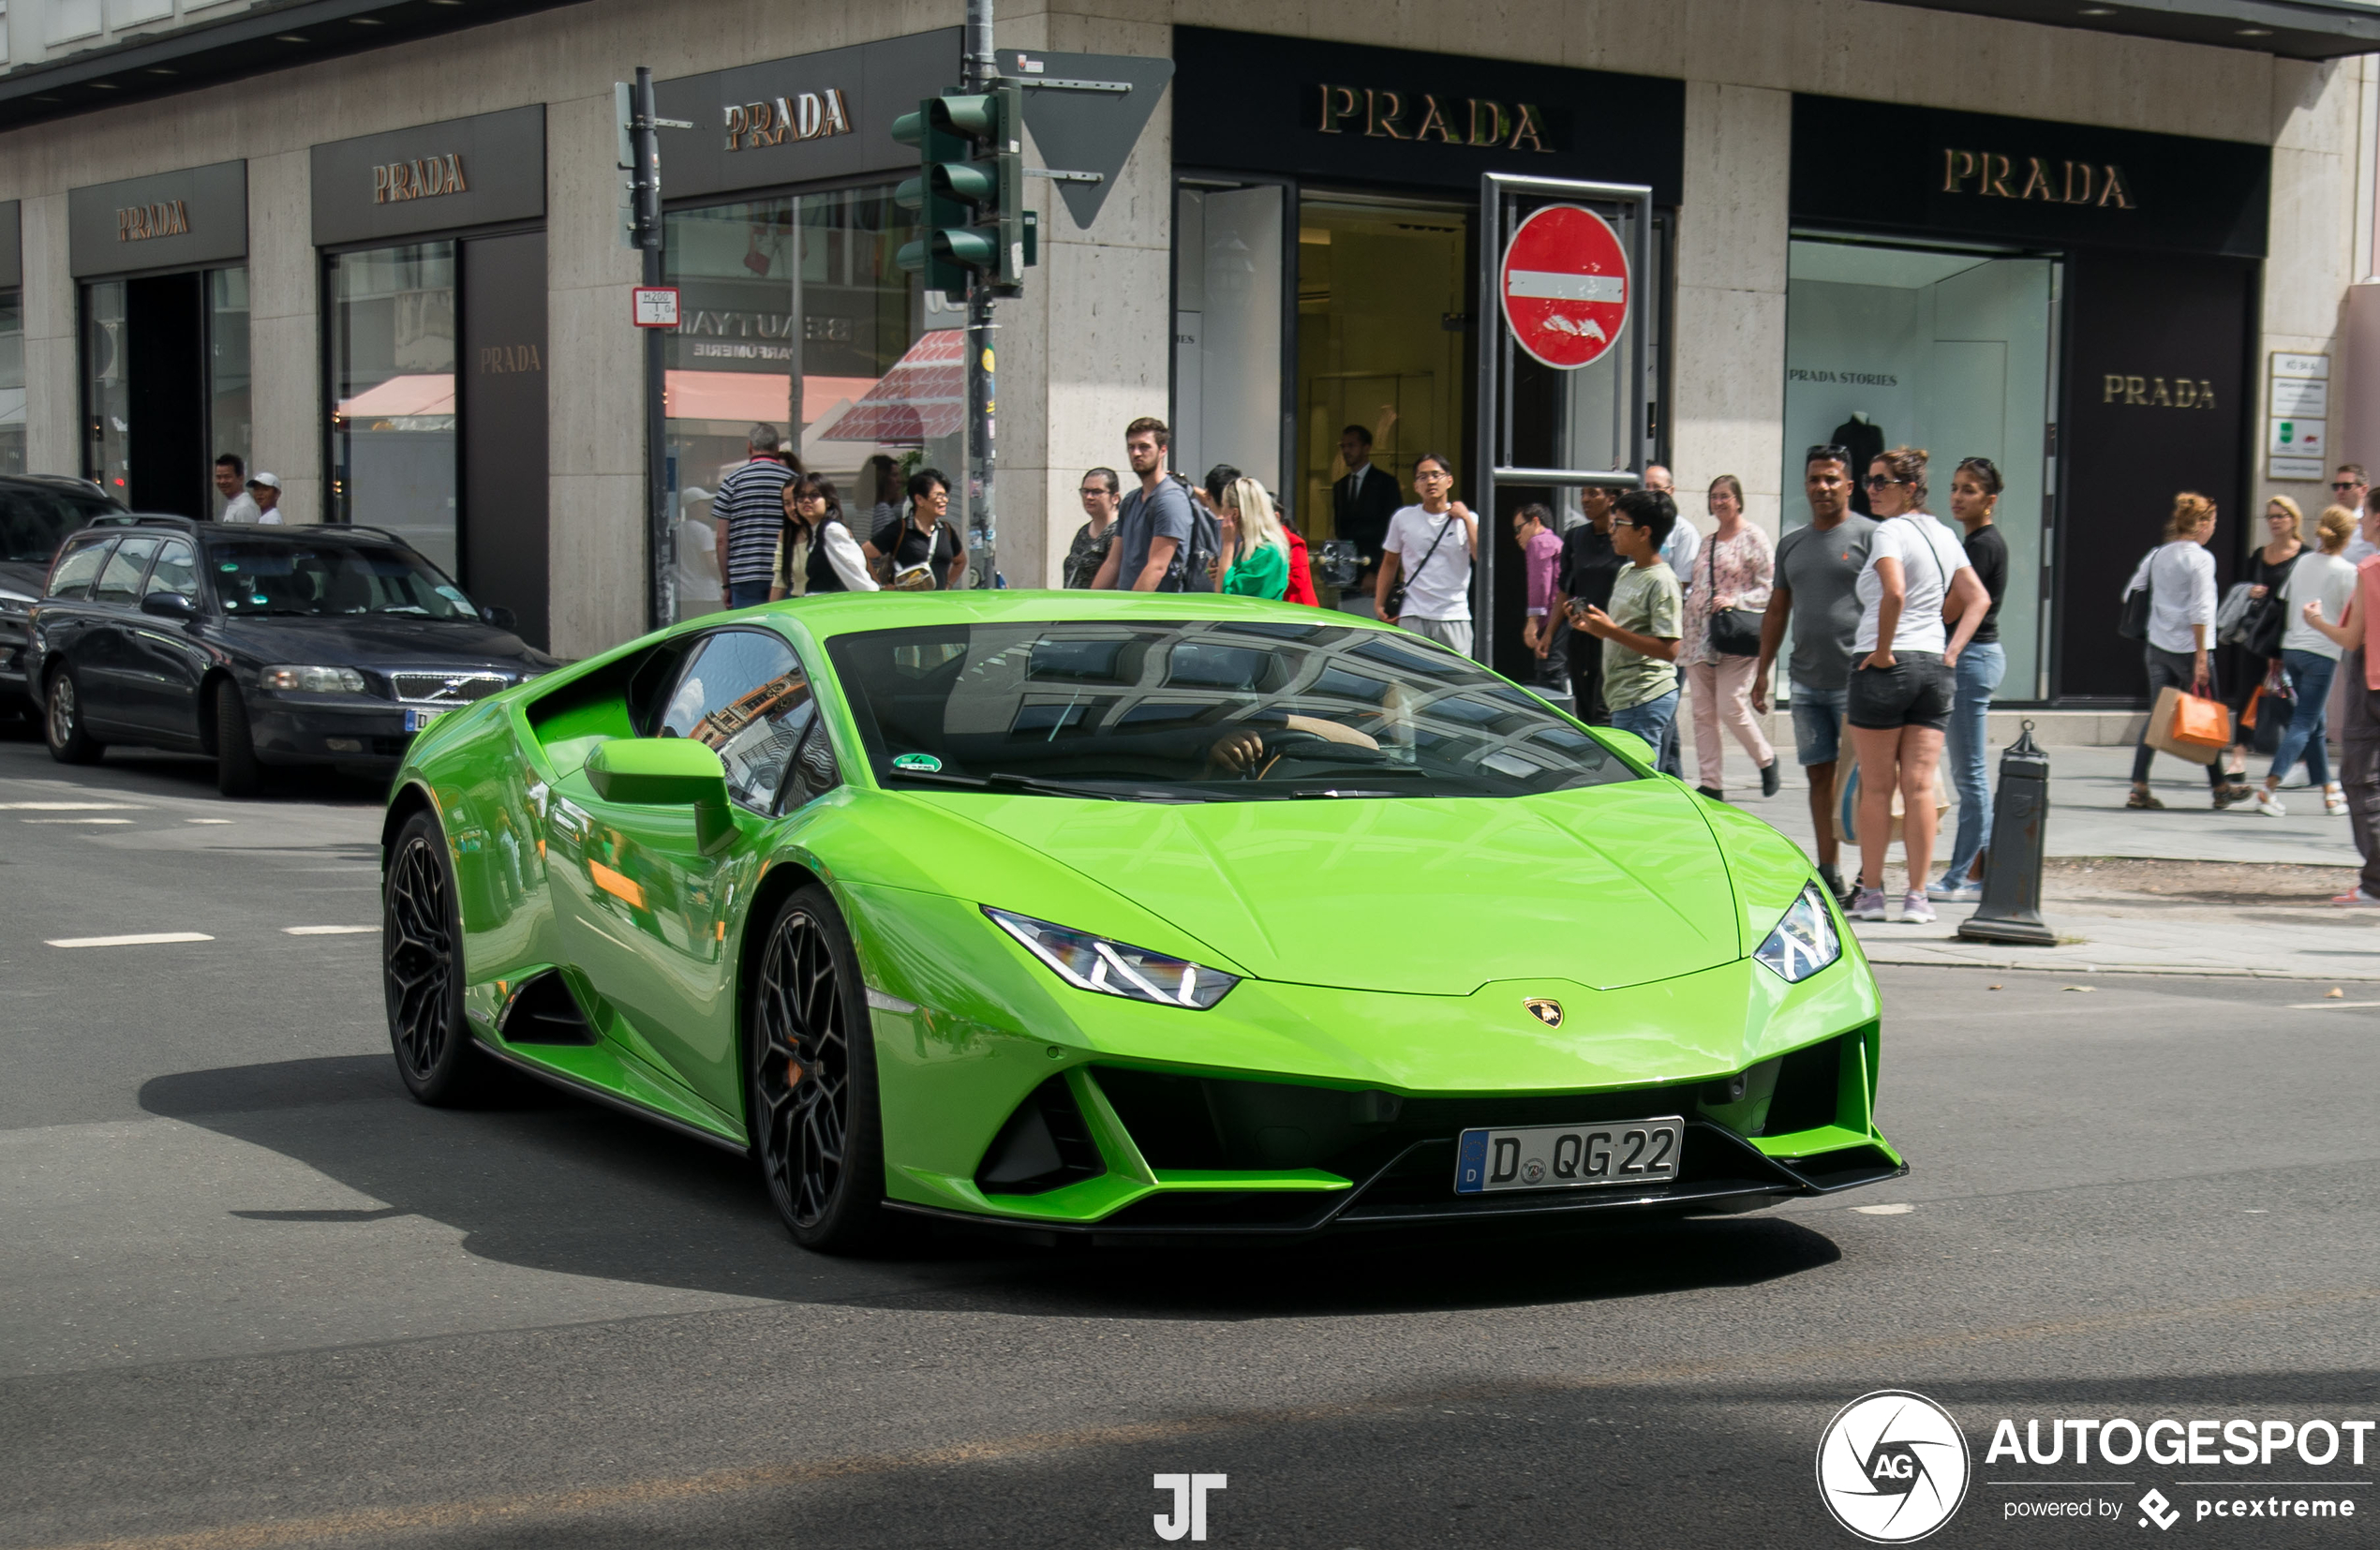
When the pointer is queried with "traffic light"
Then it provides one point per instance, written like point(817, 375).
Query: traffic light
point(970, 190)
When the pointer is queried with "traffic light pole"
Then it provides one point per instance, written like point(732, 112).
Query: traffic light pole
point(646, 196)
point(977, 72)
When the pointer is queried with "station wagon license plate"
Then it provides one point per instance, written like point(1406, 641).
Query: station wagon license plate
point(1569, 1156)
point(416, 720)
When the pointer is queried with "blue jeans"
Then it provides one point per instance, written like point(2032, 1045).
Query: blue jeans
point(2310, 675)
point(1979, 671)
point(1650, 721)
point(1818, 722)
point(1671, 760)
point(746, 595)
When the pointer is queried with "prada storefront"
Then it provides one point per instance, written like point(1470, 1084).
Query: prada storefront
point(161, 275)
point(2077, 305)
point(780, 233)
point(432, 243)
point(1326, 262)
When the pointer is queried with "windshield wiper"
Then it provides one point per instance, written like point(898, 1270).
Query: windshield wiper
point(1006, 780)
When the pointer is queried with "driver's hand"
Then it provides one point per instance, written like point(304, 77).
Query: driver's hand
point(1235, 753)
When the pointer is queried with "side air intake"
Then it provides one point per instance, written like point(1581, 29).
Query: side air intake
point(1044, 1146)
point(544, 1011)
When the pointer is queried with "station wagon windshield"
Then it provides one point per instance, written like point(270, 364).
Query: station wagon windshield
point(1200, 710)
point(331, 580)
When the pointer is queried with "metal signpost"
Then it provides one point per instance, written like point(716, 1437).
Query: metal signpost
point(1566, 288)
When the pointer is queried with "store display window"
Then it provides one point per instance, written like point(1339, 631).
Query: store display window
point(393, 413)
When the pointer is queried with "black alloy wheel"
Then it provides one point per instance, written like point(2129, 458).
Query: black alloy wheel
point(421, 969)
point(70, 741)
point(817, 1129)
point(237, 773)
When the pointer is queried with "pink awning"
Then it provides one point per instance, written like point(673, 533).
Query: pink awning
point(400, 398)
point(922, 398)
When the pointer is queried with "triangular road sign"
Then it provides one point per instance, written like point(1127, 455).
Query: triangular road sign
point(1080, 122)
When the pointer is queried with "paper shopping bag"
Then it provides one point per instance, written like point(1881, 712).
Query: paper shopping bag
point(2203, 721)
point(2160, 730)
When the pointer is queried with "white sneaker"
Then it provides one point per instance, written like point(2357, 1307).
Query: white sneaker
point(1914, 911)
point(2269, 804)
point(1945, 891)
point(1869, 906)
point(2334, 801)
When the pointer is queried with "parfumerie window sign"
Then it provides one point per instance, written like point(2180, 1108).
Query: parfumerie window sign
point(189, 219)
point(462, 174)
point(1481, 122)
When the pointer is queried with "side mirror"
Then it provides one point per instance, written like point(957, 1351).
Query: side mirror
point(501, 617)
point(169, 605)
point(1628, 745)
point(666, 772)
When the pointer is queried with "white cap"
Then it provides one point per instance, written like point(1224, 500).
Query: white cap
point(269, 481)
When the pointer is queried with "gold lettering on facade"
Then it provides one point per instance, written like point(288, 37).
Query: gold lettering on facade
point(1381, 110)
point(1338, 102)
point(1530, 130)
point(140, 222)
point(1988, 172)
point(424, 179)
point(1432, 117)
point(498, 360)
point(801, 115)
point(1494, 123)
point(2117, 387)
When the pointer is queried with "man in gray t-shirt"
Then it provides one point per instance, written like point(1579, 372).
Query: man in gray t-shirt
point(1817, 571)
point(1155, 516)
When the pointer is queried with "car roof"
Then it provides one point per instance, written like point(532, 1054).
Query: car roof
point(852, 613)
point(337, 533)
point(60, 484)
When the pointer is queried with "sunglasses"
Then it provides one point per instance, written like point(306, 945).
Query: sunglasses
point(2342, 484)
point(1878, 482)
point(1088, 491)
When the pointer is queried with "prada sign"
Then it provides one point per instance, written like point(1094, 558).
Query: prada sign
point(166, 220)
point(462, 174)
point(2116, 387)
point(807, 119)
point(1874, 167)
point(1480, 121)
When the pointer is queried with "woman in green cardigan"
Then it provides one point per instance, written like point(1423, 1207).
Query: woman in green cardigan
point(1254, 561)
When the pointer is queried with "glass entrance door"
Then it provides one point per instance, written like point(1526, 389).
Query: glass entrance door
point(165, 367)
point(1381, 344)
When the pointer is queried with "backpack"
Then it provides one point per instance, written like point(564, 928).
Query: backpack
point(1206, 541)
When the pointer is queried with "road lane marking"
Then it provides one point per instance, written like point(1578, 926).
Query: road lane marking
point(327, 931)
point(74, 820)
point(206, 820)
point(2328, 1005)
point(65, 807)
point(529, 1507)
point(1894, 1210)
point(141, 940)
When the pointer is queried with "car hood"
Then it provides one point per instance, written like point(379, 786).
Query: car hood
point(23, 577)
point(382, 641)
point(1608, 886)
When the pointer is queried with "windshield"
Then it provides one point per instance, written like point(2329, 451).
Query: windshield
point(1201, 711)
point(331, 580)
point(33, 521)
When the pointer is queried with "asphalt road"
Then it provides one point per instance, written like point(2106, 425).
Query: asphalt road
point(250, 1295)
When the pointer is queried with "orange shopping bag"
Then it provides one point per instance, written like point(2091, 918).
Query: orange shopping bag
point(2204, 723)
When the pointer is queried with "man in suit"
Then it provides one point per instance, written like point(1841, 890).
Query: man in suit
point(1363, 502)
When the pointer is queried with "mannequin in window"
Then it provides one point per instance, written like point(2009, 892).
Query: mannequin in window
point(1865, 440)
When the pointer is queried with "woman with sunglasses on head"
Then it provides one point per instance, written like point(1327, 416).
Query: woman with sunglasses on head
point(1919, 603)
point(1974, 491)
point(819, 542)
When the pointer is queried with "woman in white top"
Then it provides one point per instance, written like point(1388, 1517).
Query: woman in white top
point(2180, 574)
point(1916, 585)
point(2311, 659)
point(1429, 551)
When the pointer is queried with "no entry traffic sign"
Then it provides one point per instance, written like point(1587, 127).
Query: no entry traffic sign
point(1566, 285)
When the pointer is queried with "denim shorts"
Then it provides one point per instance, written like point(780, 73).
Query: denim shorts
point(1916, 691)
point(1818, 723)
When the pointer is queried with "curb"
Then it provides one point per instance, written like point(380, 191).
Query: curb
point(2018, 967)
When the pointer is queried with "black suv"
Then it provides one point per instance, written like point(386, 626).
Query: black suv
point(37, 513)
point(259, 645)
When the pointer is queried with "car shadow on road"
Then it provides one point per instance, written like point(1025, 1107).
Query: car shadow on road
point(543, 1180)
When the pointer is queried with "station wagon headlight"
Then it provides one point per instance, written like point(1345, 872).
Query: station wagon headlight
point(313, 681)
point(1098, 963)
point(1803, 942)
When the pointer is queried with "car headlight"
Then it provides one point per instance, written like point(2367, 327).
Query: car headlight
point(12, 604)
point(1803, 942)
point(313, 681)
point(1090, 962)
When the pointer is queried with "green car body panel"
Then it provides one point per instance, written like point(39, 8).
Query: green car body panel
point(1384, 946)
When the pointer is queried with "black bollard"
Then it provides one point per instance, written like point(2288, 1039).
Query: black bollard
point(2011, 910)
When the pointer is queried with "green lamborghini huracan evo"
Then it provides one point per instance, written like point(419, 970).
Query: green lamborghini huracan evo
point(1129, 916)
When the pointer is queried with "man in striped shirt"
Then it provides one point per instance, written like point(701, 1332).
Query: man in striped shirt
point(747, 512)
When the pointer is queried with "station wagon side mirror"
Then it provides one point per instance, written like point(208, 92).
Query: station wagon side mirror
point(1627, 744)
point(169, 605)
point(666, 772)
point(501, 617)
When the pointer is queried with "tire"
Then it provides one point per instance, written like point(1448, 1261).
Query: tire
point(421, 972)
point(236, 770)
point(817, 1127)
point(70, 741)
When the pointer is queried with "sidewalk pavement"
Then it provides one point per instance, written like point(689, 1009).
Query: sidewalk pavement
point(2312, 941)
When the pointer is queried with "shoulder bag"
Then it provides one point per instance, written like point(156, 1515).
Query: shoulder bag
point(1731, 632)
point(1396, 589)
point(2134, 622)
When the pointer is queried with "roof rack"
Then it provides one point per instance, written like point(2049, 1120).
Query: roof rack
point(145, 519)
